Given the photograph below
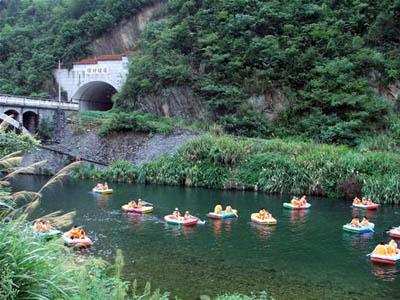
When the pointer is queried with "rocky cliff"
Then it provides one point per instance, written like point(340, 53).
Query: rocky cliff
point(123, 37)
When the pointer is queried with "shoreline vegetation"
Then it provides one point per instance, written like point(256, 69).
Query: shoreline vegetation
point(272, 166)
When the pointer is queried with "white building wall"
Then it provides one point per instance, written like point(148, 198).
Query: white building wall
point(113, 72)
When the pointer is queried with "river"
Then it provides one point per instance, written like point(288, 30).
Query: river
point(305, 256)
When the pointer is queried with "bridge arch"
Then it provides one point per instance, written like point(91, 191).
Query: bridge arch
point(95, 95)
point(12, 112)
point(14, 123)
point(30, 121)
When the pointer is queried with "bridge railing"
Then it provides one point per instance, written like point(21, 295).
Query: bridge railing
point(33, 98)
point(36, 102)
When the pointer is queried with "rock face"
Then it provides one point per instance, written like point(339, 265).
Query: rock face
point(177, 102)
point(97, 150)
point(123, 37)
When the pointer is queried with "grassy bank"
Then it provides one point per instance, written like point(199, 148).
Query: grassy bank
point(116, 120)
point(275, 166)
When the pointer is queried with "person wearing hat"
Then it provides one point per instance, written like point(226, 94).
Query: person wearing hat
point(186, 217)
point(176, 213)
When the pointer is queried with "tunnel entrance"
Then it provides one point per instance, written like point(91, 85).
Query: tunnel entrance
point(12, 113)
point(95, 96)
point(30, 121)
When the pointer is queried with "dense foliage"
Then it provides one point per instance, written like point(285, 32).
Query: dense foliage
point(275, 166)
point(327, 57)
point(34, 35)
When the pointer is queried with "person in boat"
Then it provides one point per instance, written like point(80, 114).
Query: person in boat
point(139, 203)
point(46, 227)
point(37, 225)
point(105, 186)
point(369, 202)
point(99, 186)
point(303, 201)
point(364, 222)
point(186, 216)
point(295, 201)
point(393, 245)
point(356, 201)
point(380, 249)
point(364, 201)
point(176, 213)
point(262, 214)
point(355, 222)
point(268, 215)
point(228, 209)
point(74, 232)
point(82, 234)
point(218, 208)
point(132, 204)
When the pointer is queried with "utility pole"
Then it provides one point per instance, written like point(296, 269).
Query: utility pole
point(59, 87)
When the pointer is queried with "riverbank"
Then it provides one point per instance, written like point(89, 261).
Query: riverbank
point(273, 166)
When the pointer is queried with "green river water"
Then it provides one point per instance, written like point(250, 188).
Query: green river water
point(305, 256)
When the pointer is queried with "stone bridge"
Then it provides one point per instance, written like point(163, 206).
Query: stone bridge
point(27, 112)
point(92, 82)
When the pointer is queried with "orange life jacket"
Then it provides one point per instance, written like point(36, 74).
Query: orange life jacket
point(262, 214)
point(380, 250)
point(218, 208)
point(139, 205)
point(364, 223)
point(228, 210)
point(390, 250)
point(37, 226)
point(355, 222)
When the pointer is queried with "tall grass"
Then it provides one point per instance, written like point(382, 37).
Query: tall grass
point(275, 166)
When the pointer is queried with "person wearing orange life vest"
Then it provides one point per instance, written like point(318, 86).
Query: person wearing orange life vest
point(38, 225)
point(389, 250)
point(139, 203)
point(294, 201)
point(364, 222)
point(74, 232)
point(218, 208)
point(105, 186)
point(132, 204)
point(355, 222)
point(303, 201)
point(228, 209)
point(262, 213)
point(380, 249)
point(46, 227)
point(176, 213)
point(186, 216)
point(393, 244)
point(356, 201)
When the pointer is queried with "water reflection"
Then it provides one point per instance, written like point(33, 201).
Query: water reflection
point(384, 271)
point(102, 199)
point(264, 231)
point(135, 220)
point(298, 218)
point(359, 240)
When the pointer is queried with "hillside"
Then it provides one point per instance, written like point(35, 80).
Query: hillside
point(262, 68)
point(34, 35)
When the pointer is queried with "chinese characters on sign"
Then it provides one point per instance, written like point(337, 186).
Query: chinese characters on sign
point(96, 70)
